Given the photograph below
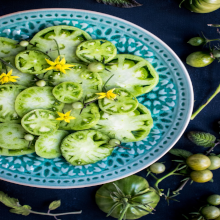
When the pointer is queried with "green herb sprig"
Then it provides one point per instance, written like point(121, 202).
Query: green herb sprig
point(25, 210)
point(120, 3)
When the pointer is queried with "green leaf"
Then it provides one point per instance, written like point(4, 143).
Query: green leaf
point(202, 139)
point(10, 202)
point(55, 204)
point(22, 210)
point(180, 153)
point(120, 3)
point(212, 181)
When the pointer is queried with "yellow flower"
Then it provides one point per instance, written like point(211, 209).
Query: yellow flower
point(7, 77)
point(65, 117)
point(108, 95)
point(59, 65)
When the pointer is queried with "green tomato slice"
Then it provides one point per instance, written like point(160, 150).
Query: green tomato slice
point(48, 146)
point(87, 119)
point(130, 72)
point(12, 136)
point(68, 92)
point(40, 121)
point(32, 62)
point(67, 37)
point(37, 98)
point(9, 47)
point(8, 94)
point(124, 103)
point(96, 50)
point(25, 78)
point(17, 152)
point(85, 147)
point(91, 82)
point(130, 127)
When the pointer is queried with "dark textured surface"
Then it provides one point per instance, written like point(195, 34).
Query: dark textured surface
point(174, 26)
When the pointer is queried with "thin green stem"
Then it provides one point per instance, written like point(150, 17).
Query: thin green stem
point(204, 105)
point(213, 25)
point(58, 49)
point(124, 211)
point(212, 148)
point(58, 214)
point(181, 186)
point(164, 177)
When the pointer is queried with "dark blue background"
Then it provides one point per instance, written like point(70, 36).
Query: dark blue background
point(175, 27)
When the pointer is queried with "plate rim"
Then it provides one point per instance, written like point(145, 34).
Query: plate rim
point(191, 92)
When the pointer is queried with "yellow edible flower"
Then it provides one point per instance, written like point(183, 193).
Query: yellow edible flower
point(65, 117)
point(7, 77)
point(59, 65)
point(108, 95)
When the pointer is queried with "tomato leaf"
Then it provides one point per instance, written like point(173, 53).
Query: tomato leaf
point(22, 210)
point(180, 153)
point(120, 3)
point(8, 201)
point(54, 205)
point(202, 139)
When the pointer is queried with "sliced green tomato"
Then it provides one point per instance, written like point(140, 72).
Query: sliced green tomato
point(67, 37)
point(124, 103)
point(85, 147)
point(96, 50)
point(40, 121)
point(131, 127)
point(12, 136)
point(68, 92)
point(91, 82)
point(9, 47)
point(48, 146)
point(87, 119)
point(37, 98)
point(130, 72)
point(32, 62)
point(17, 152)
point(24, 79)
point(8, 94)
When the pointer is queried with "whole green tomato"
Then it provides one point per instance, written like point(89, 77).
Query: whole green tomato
point(202, 6)
point(214, 199)
point(201, 176)
point(157, 168)
point(215, 162)
point(127, 195)
point(210, 212)
point(196, 41)
point(199, 59)
point(198, 162)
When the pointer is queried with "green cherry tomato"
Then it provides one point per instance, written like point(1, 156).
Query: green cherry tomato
point(96, 67)
point(214, 199)
point(218, 218)
point(41, 83)
point(196, 41)
point(157, 168)
point(114, 142)
point(198, 162)
point(201, 176)
point(24, 43)
point(216, 53)
point(77, 105)
point(199, 59)
point(29, 137)
point(215, 162)
point(210, 212)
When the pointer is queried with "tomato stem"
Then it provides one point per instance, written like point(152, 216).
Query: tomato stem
point(58, 214)
point(181, 186)
point(164, 177)
point(204, 105)
point(124, 210)
point(212, 148)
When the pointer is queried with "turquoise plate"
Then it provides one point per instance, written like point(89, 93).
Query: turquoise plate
point(170, 103)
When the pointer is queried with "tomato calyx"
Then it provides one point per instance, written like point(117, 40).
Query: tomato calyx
point(126, 201)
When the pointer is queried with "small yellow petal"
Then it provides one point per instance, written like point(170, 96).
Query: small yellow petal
point(50, 68)
point(71, 117)
point(9, 73)
point(59, 119)
point(57, 60)
point(63, 61)
point(68, 113)
point(67, 120)
point(60, 114)
point(50, 62)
